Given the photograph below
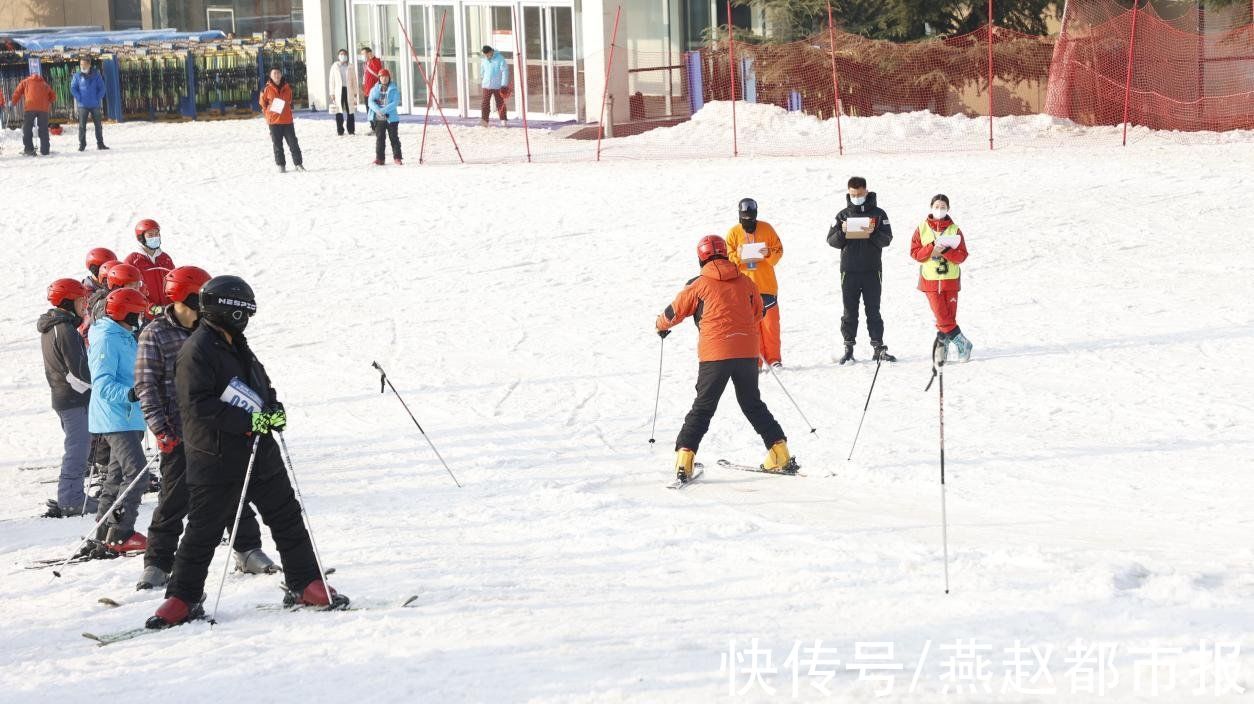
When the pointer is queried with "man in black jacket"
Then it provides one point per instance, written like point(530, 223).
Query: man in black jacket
point(861, 272)
point(65, 366)
point(228, 409)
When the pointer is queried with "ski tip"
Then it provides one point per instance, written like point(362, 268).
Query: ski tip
point(93, 636)
point(409, 601)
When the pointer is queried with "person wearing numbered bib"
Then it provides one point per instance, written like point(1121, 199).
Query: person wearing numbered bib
point(220, 387)
point(755, 248)
point(940, 248)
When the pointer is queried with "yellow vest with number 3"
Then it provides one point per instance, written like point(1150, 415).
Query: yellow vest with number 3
point(928, 268)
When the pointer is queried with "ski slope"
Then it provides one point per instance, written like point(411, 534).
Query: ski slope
point(1098, 444)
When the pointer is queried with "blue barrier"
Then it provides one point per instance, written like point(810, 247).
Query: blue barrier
point(696, 87)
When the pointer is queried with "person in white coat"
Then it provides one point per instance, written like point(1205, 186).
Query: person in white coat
point(342, 85)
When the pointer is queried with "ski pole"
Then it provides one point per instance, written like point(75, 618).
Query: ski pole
point(790, 398)
point(287, 459)
point(239, 511)
point(944, 516)
point(103, 517)
point(658, 397)
point(383, 379)
point(864, 407)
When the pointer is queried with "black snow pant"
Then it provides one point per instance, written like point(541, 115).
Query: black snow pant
point(712, 378)
point(167, 518)
point(210, 514)
point(32, 120)
point(864, 284)
point(94, 114)
point(280, 133)
point(346, 113)
point(389, 131)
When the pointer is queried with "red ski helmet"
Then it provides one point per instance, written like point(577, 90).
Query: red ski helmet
point(711, 246)
point(63, 290)
point(103, 275)
point(185, 281)
point(123, 302)
point(99, 256)
point(143, 226)
point(122, 274)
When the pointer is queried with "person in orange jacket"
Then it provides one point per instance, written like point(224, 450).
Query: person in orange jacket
point(940, 247)
point(38, 98)
point(761, 271)
point(279, 117)
point(727, 308)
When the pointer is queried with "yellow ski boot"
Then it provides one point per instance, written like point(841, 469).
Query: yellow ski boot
point(780, 460)
point(684, 459)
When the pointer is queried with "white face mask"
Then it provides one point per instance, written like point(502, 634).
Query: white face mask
point(152, 242)
point(857, 200)
point(939, 213)
point(343, 58)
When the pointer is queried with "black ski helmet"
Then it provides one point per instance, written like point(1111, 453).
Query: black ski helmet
point(227, 301)
point(748, 209)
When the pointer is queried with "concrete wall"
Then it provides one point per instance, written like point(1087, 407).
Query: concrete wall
point(21, 14)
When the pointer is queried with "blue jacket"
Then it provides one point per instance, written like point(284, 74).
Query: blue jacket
point(89, 89)
point(111, 352)
point(391, 102)
point(495, 72)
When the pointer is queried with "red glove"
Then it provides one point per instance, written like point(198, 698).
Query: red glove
point(167, 443)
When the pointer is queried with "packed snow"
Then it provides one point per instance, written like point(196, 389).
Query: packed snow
point(1098, 445)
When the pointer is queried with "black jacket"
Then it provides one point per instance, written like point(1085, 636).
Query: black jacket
point(861, 255)
point(65, 359)
point(215, 433)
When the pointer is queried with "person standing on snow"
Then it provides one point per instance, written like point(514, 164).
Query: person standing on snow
point(114, 414)
point(382, 105)
point(761, 271)
point(221, 439)
point(861, 269)
point(88, 88)
point(276, 104)
point(371, 66)
point(69, 378)
point(495, 84)
point(342, 82)
point(153, 264)
point(37, 98)
point(940, 276)
point(727, 309)
point(159, 345)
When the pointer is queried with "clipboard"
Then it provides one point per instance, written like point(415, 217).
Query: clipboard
point(859, 228)
point(277, 105)
point(751, 251)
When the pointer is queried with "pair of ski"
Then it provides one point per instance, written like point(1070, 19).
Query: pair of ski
point(699, 471)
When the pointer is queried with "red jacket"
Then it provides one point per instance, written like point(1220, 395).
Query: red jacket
point(153, 274)
point(282, 90)
point(371, 77)
point(38, 95)
point(923, 252)
point(727, 307)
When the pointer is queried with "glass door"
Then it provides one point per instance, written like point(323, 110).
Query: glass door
point(486, 25)
point(552, 71)
point(420, 68)
point(375, 26)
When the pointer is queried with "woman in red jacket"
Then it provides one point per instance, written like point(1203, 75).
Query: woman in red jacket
point(939, 247)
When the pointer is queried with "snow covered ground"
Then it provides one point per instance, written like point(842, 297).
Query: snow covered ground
point(1098, 445)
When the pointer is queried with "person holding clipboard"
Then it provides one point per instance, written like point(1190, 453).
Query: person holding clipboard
point(755, 249)
point(939, 247)
point(861, 231)
point(276, 105)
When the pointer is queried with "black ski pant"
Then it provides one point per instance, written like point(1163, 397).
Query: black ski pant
point(389, 131)
point(865, 285)
point(32, 120)
point(712, 378)
point(83, 114)
point(167, 518)
point(345, 113)
point(281, 133)
point(211, 510)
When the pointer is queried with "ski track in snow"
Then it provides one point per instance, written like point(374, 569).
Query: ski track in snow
point(1098, 445)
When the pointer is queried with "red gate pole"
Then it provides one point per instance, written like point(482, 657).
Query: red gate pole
point(520, 62)
point(435, 56)
point(731, 60)
point(1127, 86)
point(990, 75)
point(430, 91)
point(831, 38)
point(605, 93)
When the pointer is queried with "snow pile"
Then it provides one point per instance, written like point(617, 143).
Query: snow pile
point(1099, 465)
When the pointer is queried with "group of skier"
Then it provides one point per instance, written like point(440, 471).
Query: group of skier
point(734, 303)
point(145, 346)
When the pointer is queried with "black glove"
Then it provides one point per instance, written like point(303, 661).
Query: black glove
point(663, 333)
point(131, 395)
